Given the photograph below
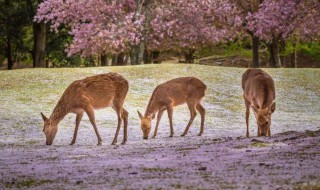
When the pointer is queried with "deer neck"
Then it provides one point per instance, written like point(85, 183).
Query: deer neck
point(59, 112)
point(151, 109)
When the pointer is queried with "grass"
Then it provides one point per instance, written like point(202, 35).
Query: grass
point(27, 92)
point(26, 183)
point(307, 186)
point(259, 144)
point(158, 170)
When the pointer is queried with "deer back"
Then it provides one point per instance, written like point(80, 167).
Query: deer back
point(258, 87)
point(99, 90)
point(176, 91)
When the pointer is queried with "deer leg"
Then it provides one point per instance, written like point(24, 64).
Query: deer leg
point(170, 113)
point(124, 116)
point(78, 119)
point(193, 114)
point(90, 113)
point(118, 110)
point(247, 103)
point(160, 113)
point(269, 133)
point(247, 120)
point(202, 112)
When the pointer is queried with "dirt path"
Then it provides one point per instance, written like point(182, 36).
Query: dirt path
point(289, 160)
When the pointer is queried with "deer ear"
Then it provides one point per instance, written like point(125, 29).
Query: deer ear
point(44, 117)
point(140, 115)
point(273, 107)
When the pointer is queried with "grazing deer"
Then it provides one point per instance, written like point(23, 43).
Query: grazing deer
point(259, 94)
point(87, 95)
point(172, 93)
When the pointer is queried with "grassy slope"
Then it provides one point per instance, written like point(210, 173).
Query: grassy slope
point(25, 93)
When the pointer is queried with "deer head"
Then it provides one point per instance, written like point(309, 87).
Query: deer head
point(145, 124)
point(263, 117)
point(49, 129)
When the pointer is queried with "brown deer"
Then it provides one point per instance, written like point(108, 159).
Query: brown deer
point(172, 93)
point(87, 95)
point(259, 94)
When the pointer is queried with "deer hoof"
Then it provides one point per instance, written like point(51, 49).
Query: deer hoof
point(123, 142)
point(153, 136)
point(183, 134)
point(99, 143)
point(199, 134)
point(72, 143)
point(171, 135)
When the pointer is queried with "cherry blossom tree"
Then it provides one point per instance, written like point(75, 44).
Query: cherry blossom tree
point(97, 26)
point(278, 20)
point(117, 26)
point(100, 26)
point(192, 24)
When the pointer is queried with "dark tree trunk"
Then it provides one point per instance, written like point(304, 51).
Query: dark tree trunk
point(156, 57)
point(126, 59)
point(274, 53)
point(138, 50)
point(152, 57)
point(118, 60)
point(147, 59)
point(47, 63)
point(134, 55)
point(9, 53)
point(8, 23)
point(189, 56)
point(255, 52)
point(142, 47)
point(39, 38)
point(294, 56)
point(282, 48)
point(104, 60)
point(114, 60)
point(39, 45)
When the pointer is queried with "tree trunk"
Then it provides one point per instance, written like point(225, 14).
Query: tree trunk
point(47, 63)
point(274, 53)
point(282, 48)
point(39, 45)
point(134, 55)
point(9, 53)
point(138, 50)
point(294, 56)
point(118, 60)
point(189, 57)
point(104, 60)
point(255, 52)
point(155, 57)
point(147, 59)
point(126, 59)
point(114, 60)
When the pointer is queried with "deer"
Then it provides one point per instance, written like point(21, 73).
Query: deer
point(259, 94)
point(189, 90)
point(85, 96)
